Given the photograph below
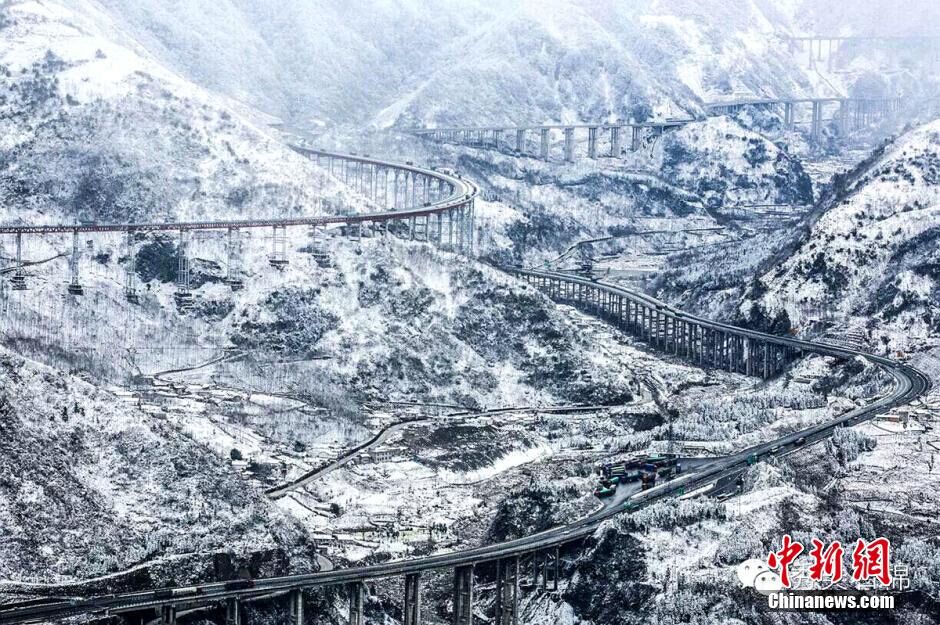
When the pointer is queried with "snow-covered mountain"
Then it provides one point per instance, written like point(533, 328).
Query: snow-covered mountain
point(406, 62)
point(870, 259)
point(91, 485)
point(95, 130)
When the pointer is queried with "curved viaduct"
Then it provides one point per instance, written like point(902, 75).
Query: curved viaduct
point(423, 204)
point(683, 335)
point(846, 113)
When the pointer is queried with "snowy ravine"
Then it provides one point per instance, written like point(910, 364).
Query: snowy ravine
point(870, 261)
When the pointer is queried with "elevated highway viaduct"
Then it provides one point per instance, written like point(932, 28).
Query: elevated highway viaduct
point(684, 335)
point(847, 113)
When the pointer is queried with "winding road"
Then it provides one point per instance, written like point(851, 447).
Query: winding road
point(908, 385)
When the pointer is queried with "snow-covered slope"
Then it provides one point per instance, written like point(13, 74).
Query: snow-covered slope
point(725, 165)
point(405, 62)
point(90, 485)
point(93, 130)
point(873, 254)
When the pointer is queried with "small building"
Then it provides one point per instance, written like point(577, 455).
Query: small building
point(384, 454)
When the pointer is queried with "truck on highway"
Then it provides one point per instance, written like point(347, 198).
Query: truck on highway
point(602, 492)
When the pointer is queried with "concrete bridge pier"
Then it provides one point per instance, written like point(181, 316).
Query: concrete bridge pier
point(233, 612)
point(615, 141)
point(520, 141)
point(385, 203)
point(411, 610)
point(130, 268)
point(374, 182)
point(816, 126)
point(183, 295)
point(545, 137)
point(278, 258)
point(168, 615)
point(551, 569)
point(471, 222)
point(462, 228)
point(356, 592)
point(497, 135)
point(18, 281)
point(75, 286)
point(569, 145)
point(297, 606)
point(234, 270)
point(636, 136)
point(450, 229)
point(843, 116)
point(463, 596)
point(592, 142)
point(788, 115)
point(507, 591)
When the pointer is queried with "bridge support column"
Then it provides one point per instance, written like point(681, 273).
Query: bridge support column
point(497, 135)
point(278, 258)
point(545, 143)
point(183, 295)
point(615, 141)
point(788, 115)
point(520, 141)
point(234, 270)
point(732, 365)
point(636, 133)
point(411, 611)
point(297, 606)
point(233, 612)
point(398, 201)
point(701, 344)
point(450, 229)
point(507, 591)
point(592, 142)
point(18, 281)
point(471, 208)
point(75, 286)
point(168, 615)
point(569, 145)
point(551, 569)
point(816, 126)
point(463, 595)
point(676, 337)
point(356, 591)
point(385, 203)
point(130, 268)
